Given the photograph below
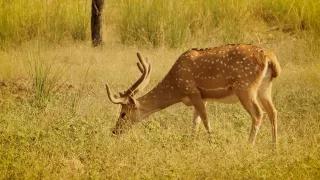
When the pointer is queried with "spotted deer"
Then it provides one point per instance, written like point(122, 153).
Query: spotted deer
point(230, 73)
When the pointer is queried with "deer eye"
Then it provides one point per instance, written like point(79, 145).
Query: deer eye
point(122, 115)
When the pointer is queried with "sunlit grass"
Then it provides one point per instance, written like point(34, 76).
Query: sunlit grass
point(171, 23)
point(294, 16)
point(22, 20)
point(71, 136)
point(157, 23)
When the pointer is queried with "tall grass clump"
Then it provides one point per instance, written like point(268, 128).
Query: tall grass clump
point(172, 23)
point(22, 20)
point(157, 22)
point(292, 16)
point(46, 76)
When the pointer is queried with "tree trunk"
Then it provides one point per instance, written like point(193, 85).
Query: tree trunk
point(96, 22)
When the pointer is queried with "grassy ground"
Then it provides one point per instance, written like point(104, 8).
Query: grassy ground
point(55, 117)
point(69, 136)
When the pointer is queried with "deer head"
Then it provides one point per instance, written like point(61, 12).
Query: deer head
point(130, 113)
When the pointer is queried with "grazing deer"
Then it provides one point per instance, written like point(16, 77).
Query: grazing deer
point(230, 73)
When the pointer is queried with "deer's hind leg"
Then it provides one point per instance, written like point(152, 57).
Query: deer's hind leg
point(249, 101)
point(264, 95)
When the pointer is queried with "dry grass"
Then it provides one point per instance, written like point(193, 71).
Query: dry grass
point(157, 23)
point(70, 137)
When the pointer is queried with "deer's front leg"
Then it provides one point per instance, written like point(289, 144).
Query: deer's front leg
point(196, 119)
point(200, 110)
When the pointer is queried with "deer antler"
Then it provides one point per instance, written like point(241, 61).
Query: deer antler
point(145, 68)
point(113, 98)
point(146, 81)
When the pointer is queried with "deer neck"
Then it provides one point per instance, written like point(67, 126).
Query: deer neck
point(160, 97)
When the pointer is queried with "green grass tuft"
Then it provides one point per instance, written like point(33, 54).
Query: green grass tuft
point(46, 76)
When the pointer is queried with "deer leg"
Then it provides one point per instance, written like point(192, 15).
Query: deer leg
point(266, 100)
point(249, 102)
point(200, 108)
point(196, 119)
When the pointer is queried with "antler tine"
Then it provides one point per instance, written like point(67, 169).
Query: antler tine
point(142, 61)
point(141, 68)
point(139, 64)
point(114, 99)
point(146, 81)
point(144, 70)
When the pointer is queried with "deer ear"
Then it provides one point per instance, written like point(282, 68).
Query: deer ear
point(134, 102)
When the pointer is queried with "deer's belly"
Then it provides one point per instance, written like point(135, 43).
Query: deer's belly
point(227, 99)
point(224, 95)
point(230, 98)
